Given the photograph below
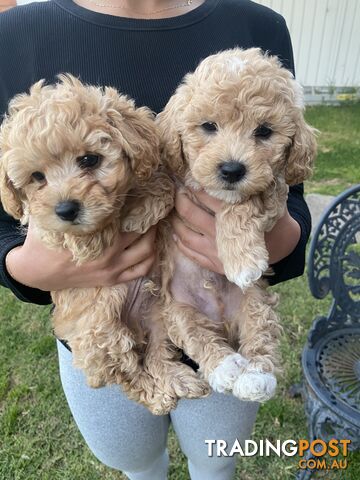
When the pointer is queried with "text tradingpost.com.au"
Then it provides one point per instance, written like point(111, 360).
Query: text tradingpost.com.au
point(288, 448)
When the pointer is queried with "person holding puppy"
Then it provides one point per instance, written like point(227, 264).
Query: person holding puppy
point(143, 48)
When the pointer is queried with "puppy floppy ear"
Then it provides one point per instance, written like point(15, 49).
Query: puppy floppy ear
point(136, 132)
point(302, 151)
point(9, 196)
point(170, 122)
point(20, 114)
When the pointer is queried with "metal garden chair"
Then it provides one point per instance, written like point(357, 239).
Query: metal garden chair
point(331, 357)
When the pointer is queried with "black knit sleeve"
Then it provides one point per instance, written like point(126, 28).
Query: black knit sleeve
point(293, 265)
point(10, 234)
point(11, 237)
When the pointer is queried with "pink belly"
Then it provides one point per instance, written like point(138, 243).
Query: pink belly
point(210, 293)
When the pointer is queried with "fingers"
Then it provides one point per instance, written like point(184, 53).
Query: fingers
point(196, 216)
point(137, 271)
point(210, 263)
point(198, 242)
point(193, 240)
point(138, 251)
point(212, 203)
point(133, 262)
point(197, 247)
point(128, 238)
point(131, 256)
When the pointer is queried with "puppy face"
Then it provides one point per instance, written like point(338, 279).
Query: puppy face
point(236, 123)
point(70, 153)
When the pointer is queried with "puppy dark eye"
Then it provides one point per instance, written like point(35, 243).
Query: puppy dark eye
point(89, 161)
point(38, 176)
point(263, 131)
point(209, 127)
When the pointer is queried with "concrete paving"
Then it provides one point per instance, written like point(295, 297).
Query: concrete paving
point(317, 204)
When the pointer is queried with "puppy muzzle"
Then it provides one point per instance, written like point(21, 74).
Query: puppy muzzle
point(68, 211)
point(232, 171)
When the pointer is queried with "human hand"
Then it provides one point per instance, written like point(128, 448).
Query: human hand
point(201, 247)
point(33, 264)
point(283, 238)
point(199, 242)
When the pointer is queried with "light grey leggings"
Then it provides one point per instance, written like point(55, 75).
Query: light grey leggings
point(127, 437)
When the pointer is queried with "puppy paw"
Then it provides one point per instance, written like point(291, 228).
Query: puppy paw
point(249, 275)
point(95, 382)
point(162, 405)
point(255, 386)
point(224, 376)
point(185, 383)
point(137, 222)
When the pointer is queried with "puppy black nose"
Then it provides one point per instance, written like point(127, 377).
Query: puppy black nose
point(68, 210)
point(232, 171)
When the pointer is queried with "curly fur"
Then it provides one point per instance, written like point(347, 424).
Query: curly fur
point(239, 91)
point(115, 333)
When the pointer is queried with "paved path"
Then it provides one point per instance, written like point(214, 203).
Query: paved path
point(317, 204)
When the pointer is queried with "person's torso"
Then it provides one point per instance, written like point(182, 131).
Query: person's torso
point(145, 59)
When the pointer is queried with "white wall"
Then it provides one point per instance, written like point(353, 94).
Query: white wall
point(326, 39)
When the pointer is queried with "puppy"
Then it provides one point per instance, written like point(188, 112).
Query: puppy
point(234, 128)
point(83, 163)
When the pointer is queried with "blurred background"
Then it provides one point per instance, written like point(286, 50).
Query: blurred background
point(326, 43)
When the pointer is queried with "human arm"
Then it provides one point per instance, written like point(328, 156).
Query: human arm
point(30, 269)
point(286, 243)
point(10, 238)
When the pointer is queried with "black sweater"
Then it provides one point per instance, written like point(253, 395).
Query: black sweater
point(146, 59)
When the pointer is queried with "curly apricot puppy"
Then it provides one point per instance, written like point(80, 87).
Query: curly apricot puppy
point(83, 163)
point(234, 128)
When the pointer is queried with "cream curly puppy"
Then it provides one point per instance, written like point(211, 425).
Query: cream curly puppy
point(83, 163)
point(234, 128)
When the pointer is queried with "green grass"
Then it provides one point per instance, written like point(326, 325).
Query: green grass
point(38, 438)
point(338, 163)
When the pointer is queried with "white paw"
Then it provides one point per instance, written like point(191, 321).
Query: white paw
point(255, 386)
point(248, 276)
point(224, 376)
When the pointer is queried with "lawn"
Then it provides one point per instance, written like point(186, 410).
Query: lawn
point(338, 162)
point(38, 439)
